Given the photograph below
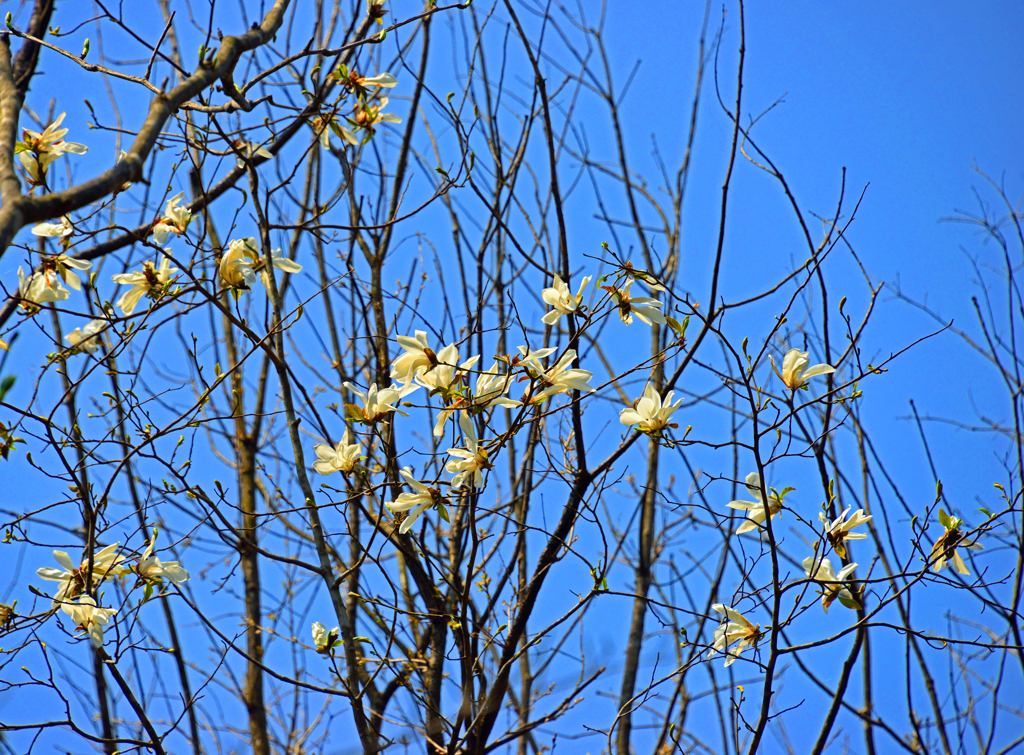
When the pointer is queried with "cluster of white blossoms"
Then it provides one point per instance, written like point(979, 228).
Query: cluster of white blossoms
point(59, 273)
point(107, 564)
point(832, 585)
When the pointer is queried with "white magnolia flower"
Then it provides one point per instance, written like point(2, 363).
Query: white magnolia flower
point(341, 458)
point(175, 220)
point(559, 378)
point(945, 552)
point(832, 585)
point(151, 569)
point(324, 640)
point(369, 115)
point(644, 307)
point(560, 298)
point(408, 506)
point(490, 389)
point(282, 263)
point(650, 414)
point(756, 511)
point(59, 230)
point(839, 530)
point(241, 262)
point(70, 269)
point(470, 461)
point(236, 266)
point(40, 150)
point(40, 288)
point(375, 10)
point(795, 370)
point(736, 628)
point(377, 402)
point(89, 618)
point(444, 375)
point(417, 356)
point(143, 283)
point(87, 339)
point(383, 80)
point(106, 565)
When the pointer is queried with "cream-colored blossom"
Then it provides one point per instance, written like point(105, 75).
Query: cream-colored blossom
point(417, 355)
point(559, 378)
point(236, 266)
point(37, 151)
point(151, 569)
point(840, 530)
point(945, 551)
point(375, 10)
point(89, 618)
point(796, 370)
point(341, 458)
point(646, 309)
point(408, 506)
point(60, 230)
point(106, 565)
point(325, 640)
point(650, 414)
point(86, 339)
point(736, 628)
point(143, 283)
point(377, 402)
point(471, 461)
point(756, 510)
point(832, 585)
point(561, 300)
point(40, 288)
point(175, 220)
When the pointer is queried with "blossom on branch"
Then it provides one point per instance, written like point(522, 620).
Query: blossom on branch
point(756, 510)
point(375, 10)
point(38, 151)
point(60, 230)
point(40, 288)
point(377, 402)
point(560, 378)
point(649, 413)
point(152, 570)
point(151, 281)
point(471, 461)
point(89, 618)
point(839, 530)
point(408, 506)
point(560, 298)
point(795, 369)
point(86, 339)
point(645, 308)
point(945, 552)
point(324, 640)
point(342, 458)
point(736, 628)
point(106, 564)
point(175, 220)
point(833, 585)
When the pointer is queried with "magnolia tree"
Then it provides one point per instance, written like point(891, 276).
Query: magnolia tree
point(352, 399)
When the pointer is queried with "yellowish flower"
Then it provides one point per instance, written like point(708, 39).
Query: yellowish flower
point(736, 628)
point(945, 552)
point(796, 370)
point(756, 510)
